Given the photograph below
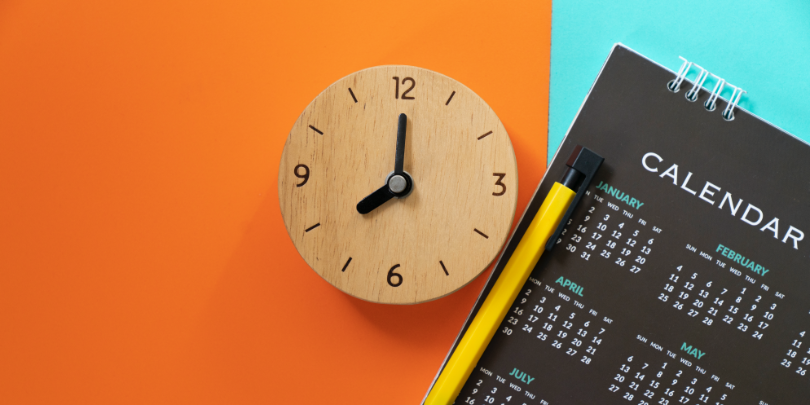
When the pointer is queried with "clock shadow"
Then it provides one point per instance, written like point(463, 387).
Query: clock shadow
point(267, 310)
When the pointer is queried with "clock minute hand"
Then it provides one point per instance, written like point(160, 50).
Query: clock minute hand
point(375, 199)
point(398, 183)
point(399, 159)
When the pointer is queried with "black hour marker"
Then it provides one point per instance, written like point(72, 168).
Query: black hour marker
point(352, 93)
point(451, 97)
point(347, 264)
point(318, 131)
point(479, 232)
point(319, 224)
point(479, 138)
point(440, 262)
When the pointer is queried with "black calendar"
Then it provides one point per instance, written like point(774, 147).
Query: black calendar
point(682, 276)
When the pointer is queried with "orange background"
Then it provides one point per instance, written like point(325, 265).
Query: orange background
point(143, 255)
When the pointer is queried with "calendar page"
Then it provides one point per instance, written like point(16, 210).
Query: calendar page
point(682, 276)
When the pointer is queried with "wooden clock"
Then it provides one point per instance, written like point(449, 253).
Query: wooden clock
point(398, 185)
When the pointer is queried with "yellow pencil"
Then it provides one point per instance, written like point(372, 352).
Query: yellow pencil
point(547, 222)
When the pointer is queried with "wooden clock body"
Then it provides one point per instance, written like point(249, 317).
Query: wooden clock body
point(411, 249)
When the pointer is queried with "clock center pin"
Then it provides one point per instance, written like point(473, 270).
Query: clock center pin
point(397, 184)
point(400, 184)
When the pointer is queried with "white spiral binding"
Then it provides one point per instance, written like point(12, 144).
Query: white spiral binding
point(692, 95)
point(711, 103)
point(728, 113)
point(675, 85)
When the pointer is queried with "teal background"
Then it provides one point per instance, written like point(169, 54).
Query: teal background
point(761, 46)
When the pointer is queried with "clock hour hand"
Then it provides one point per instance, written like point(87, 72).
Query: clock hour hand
point(398, 183)
point(375, 199)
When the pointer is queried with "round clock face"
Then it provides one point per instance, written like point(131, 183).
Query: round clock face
point(391, 221)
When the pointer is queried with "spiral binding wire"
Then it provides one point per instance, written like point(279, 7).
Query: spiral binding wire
point(674, 86)
point(728, 113)
point(692, 94)
point(711, 103)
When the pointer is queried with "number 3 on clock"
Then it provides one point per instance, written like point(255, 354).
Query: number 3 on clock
point(498, 182)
